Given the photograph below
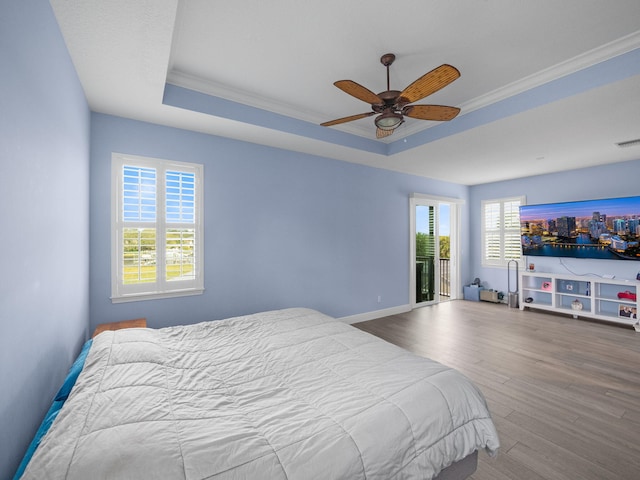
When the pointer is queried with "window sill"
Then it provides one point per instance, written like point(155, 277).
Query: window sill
point(139, 297)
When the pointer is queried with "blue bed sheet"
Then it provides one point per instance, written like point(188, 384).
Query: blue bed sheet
point(57, 404)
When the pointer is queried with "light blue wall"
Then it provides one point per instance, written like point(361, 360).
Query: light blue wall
point(282, 228)
point(616, 180)
point(44, 192)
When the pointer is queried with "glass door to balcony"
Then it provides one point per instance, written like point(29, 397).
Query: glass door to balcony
point(426, 253)
point(433, 235)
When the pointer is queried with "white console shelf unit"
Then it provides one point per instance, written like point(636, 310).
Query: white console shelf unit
point(597, 296)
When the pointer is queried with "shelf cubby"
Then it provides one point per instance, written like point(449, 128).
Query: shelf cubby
point(591, 297)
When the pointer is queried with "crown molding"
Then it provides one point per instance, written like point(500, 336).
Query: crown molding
point(563, 69)
point(588, 59)
point(209, 87)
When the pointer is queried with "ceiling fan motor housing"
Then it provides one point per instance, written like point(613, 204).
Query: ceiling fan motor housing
point(390, 96)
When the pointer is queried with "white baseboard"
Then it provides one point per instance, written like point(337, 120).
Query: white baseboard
point(363, 317)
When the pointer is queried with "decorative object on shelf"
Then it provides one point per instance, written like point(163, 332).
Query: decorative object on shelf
point(588, 292)
point(627, 311)
point(576, 305)
point(546, 286)
point(568, 285)
point(528, 300)
point(627, 295)
point(532, 268)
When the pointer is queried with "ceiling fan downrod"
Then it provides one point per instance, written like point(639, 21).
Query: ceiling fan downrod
point(387, 60)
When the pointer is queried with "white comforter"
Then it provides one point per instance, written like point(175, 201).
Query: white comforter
point(290, 394)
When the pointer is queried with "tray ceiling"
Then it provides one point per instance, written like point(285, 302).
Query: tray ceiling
point(545, 86)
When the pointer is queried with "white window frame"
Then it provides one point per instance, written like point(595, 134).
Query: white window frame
point(161, 288)
point(501, 231)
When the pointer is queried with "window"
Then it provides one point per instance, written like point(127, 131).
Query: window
point(157, 236)
point(501, 231)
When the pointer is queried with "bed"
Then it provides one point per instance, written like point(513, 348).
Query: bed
point(288, 394)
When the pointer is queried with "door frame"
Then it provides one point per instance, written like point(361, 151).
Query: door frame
point(416, 199)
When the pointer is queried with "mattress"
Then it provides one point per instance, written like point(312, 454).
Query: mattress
point(288, 394)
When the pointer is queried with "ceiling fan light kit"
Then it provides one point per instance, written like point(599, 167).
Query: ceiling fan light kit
point(389, 120)
point(393, 105)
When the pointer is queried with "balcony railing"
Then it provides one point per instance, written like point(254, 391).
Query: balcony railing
point(445, 278)
point(425, 277)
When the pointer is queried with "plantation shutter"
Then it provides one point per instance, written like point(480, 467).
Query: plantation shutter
point(511, 218)
point(180, 222)
point(492, 236)
point(501, 231)
point(139, 252)
point(157, 234)
point(431, 236)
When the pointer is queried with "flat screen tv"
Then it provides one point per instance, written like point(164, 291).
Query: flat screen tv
point(606, 229)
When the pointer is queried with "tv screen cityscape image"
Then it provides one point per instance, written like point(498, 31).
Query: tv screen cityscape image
point(604, 229)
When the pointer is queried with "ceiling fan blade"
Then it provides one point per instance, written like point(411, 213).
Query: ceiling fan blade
point(438, 113)
point(380, 133)
point(430, 83)
point(347, 119)
point(356, 90)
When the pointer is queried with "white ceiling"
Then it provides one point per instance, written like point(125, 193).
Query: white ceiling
point(545, 86)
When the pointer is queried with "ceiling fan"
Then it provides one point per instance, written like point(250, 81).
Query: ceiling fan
point(393, 105)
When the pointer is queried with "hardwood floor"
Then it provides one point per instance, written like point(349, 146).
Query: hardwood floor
point(564, 393)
